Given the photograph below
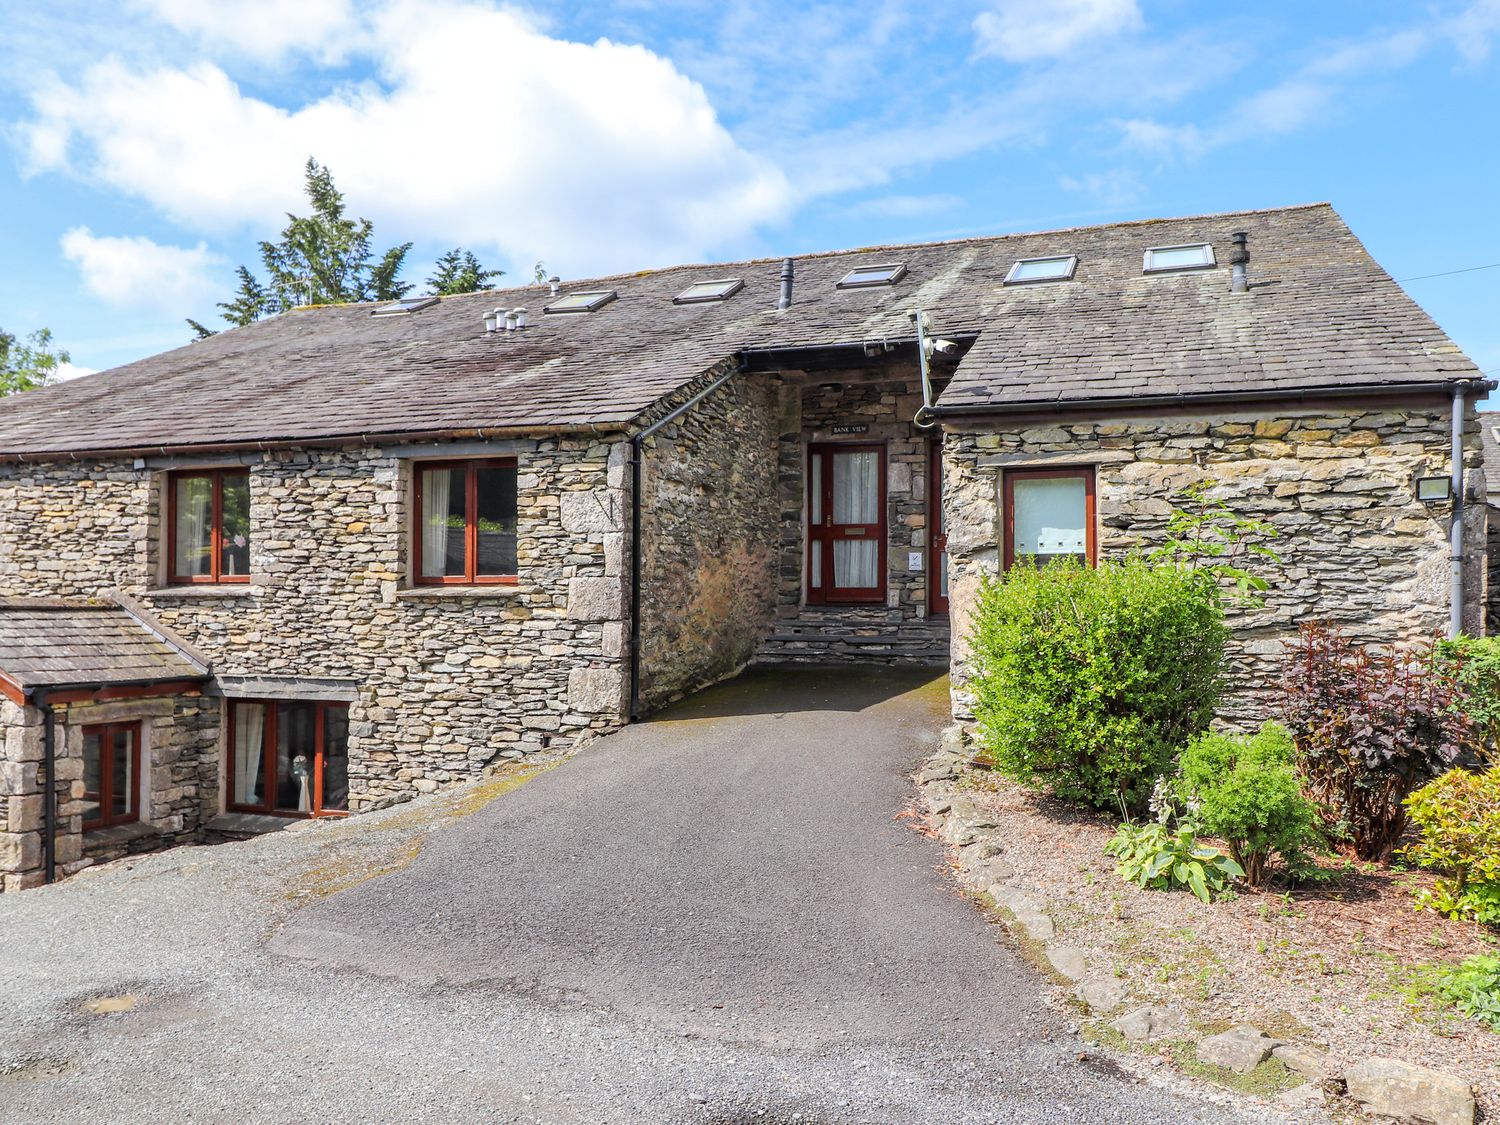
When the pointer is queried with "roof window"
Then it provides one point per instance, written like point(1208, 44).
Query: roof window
point(701, 291)
point(1160, 259)
point(862, 276)
point(404, 305)
point(1042, 269)
point(581, 302)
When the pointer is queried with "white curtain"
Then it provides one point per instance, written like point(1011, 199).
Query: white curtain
point(249, 728)
point(856, 499)
point(194, 510)
point(436, 488)
point(1050, 516)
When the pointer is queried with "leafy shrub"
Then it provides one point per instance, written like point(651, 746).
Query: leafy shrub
point(1458, 816)
point(1473, 987)
point(1087, 681)
point(1245, 791)
point(1207, 535)
point(1370, 727)
point(1474, 663)
point(1153, 855)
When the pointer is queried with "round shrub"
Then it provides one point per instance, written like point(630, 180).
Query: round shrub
point(1246, 792)
point(1087, 680)
point(1458, 818)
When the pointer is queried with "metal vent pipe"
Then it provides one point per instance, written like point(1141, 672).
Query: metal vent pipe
point(1239, 281)
point(785, 300)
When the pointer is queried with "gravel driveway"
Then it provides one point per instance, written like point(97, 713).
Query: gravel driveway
point(713, 917)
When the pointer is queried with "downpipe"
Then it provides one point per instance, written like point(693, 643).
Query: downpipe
point(1456, 529)
point(49, 786)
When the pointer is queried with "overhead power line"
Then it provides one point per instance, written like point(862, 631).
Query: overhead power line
point(1447, 273)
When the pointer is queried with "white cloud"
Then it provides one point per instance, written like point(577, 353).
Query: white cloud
point(482, 131)
point(1025, 30)
point(265, 29)
point(1116, 188)
point(66, 371)
point(136, 272)
point(905, 206)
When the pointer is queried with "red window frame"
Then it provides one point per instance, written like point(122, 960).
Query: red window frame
point(1090, 508)
point(828, 531)
point(471, 525)
point(937, 533)
point(106, 793)
point(215, 576)
point(268, 740)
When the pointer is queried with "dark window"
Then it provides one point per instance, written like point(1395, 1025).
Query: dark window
point(208, 526)
point(466, 523)
point(1049, 513)
point(289, 758)
point(111, 774)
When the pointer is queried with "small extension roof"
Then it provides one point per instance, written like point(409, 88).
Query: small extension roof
point(69, 645)
point(1321, 314)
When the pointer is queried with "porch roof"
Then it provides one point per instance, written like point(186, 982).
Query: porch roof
point(1321, 313)
point(59, 644)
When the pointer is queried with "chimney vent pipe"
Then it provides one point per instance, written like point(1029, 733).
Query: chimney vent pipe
point(785, 300)
point(520, 315)
point(510, 320)
point(555, 284)
point(1239, 281)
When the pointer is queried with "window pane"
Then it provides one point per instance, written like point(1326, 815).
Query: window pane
point(93, 775)
point(123, 781)
point(335, 757)
point(1042, 269)
point(236, 517)
point(1049, 517)
point(496, 513)
point(296, 749)
point(443, 508)
point(856, 564)
point(249, 746)
point(1180, 257)
point(194, 500)
point(856, 488)
point(815, 579)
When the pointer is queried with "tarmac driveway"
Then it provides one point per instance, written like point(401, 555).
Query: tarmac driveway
point(717, 916)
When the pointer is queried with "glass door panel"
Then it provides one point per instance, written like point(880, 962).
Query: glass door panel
point(296, 755)
point(335, 758)
point(846, 523)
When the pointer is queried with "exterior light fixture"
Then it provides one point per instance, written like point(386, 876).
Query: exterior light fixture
point(1434, 490)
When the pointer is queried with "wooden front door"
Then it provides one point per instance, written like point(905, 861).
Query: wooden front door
point(846, 514)
point(937, 540)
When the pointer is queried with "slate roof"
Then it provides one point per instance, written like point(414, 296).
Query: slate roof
point(60, 644)
point(1489, 431)
point(1322, 313)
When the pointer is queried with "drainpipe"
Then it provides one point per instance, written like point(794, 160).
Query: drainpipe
point(1456, 530)
point(637, 444)
point(49, 786)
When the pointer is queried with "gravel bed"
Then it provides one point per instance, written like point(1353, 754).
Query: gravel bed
point(1339, 964)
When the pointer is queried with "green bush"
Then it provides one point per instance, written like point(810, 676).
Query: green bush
point(1155, 856)
point(1088, 680)
point(1458, 817)
point(1473, 987)
point(1245, 791)
point(1474, 662)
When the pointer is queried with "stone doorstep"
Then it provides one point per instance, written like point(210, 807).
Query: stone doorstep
point(248, 824)
point(97, 840)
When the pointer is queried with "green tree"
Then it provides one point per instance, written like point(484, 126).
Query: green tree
point(458, 271)
point(30, 363)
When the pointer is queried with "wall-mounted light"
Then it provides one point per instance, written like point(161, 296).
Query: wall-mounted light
point(1434, 490)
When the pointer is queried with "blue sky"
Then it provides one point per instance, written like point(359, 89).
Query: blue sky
point(150, 143)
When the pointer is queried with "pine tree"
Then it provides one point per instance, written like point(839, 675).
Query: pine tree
point(458, 271)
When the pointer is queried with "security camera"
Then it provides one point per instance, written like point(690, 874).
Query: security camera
point(941, 347)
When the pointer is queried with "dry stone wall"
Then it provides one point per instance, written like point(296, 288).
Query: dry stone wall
point(447, 680)
point(1338, 484)
point(709, 538)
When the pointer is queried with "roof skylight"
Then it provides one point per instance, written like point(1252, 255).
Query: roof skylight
point(1042, 269)
point(885, 274)
point(1197, 256)
point(701, 291)
point(581, 302)
point(404, 305)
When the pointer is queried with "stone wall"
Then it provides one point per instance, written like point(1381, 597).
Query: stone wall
point(178, 787)
point(1337, 483)
point(709, 529)
point(447, 680)
point(884, 400)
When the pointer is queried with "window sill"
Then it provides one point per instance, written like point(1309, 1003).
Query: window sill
point(99, 839)
point(207, 590)
point(424, 593)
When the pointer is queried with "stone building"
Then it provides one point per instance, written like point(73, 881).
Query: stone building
point(403, 542)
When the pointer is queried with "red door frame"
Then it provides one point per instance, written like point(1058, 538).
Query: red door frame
point(827, 531)
point(1090, 530)
point(937, 533)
